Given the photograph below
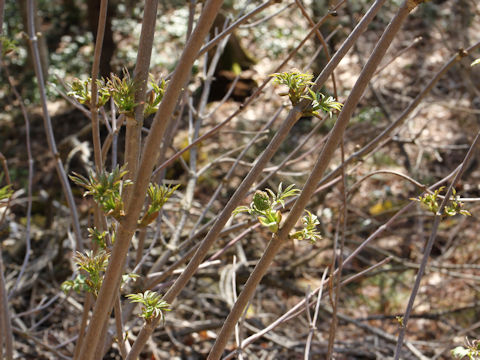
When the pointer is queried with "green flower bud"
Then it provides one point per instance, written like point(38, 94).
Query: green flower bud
point(261, 201)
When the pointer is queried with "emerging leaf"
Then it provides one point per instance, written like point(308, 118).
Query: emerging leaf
point(261, 201)
point(431, 202)
point(264, 203)
point(123, 93)
point(106, 190)
point(81, 91)
point(5, 193)
point(153, 305)
point(296, 82)
point(158, 196)
point(94, 264)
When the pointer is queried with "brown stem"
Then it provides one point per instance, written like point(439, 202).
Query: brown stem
point(401, 119)
point(310, 186)
point(97, 146)
point(124, 346)
point(150, 153)
point(429, 246)
point(250, 99)
point(133, 139)
point(5, 325)
point(83, 324)
point(342, 229)
point(141, 340)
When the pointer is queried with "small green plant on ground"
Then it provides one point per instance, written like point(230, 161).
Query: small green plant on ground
point(471, 350)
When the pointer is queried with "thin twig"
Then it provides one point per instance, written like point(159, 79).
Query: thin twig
point(150, 154)
point(429, 246)
point(313, 322)
point(97, 146)
point(6, 335)
point(233, 26)
point(49, 130)
point(322, 162)
point(30, 180)
point(251, 98)
point(133, 137)
point(122, 341)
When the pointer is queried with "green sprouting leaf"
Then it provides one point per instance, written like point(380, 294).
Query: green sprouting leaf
point(154, 96)
point(320, 102)
point(241, 209)
point(432, 201)
point(309, 231)
point(106, 189)
point(465, 213)
point(460, 352)
point(98, 237)
point(158, 196)
point(271, 221)
point(5, 193)
point(94, 264)
point(8, 45)
point(296, 82)
point(261, 201)
point(153, 304)
point(123, 93)
point(78, 284)
point(290, 191)
point(81, 91)
point(264, 204)
point(476, 62)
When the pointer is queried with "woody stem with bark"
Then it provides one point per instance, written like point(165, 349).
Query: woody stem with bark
point(401, 119)
point(429, 246)
point(134, 125)
point(264, 158)
point(292, 117)
point(97, 146)
point(320, 166)
point(6, 336)
point(248, 181)
point(150, 153)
